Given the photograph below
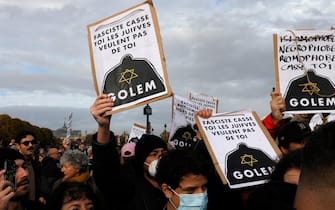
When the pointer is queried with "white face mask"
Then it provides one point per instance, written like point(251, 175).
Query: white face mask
point(152, 167)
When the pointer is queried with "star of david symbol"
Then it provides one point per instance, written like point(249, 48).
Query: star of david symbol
point(127, 76)
point(310, 88)
point(248, 159)
point(187, 136)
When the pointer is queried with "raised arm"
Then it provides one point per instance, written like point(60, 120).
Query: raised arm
point(274, 120)
point(278, 106)
point(106, 159)
point(101, 105)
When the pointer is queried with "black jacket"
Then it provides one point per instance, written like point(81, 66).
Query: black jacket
point(272, 196)
point(50, 173)
point(33, 205)
point(119, 191)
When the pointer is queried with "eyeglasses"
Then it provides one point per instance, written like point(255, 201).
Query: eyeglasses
point(26, 143)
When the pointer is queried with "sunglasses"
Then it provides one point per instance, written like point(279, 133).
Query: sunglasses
point(26, 143)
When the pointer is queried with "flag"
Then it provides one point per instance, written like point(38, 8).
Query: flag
point(68, 129)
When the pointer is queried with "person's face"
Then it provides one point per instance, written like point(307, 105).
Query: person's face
point(40, 158)
point(21, 178)
point(69, 171)
point(153, 155)
point(82, 204)
point(26, 145)
point(53, 153)
point(82, 147)
point(189, 184)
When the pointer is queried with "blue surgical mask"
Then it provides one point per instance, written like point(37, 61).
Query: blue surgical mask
point(191, 201)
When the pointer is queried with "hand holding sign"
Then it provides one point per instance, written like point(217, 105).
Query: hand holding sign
point(127, 58)
point(242, 150)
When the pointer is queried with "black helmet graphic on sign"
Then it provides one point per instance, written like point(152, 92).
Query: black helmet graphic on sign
point(310, 92)
point(132, 79)
point(184, 137)
point(248, 165)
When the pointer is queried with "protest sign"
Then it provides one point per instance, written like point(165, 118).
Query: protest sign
point(183, 133)
point(204, 101)
point(127, 58)
point(243, 152)
point(305, 70)
point(136, 132)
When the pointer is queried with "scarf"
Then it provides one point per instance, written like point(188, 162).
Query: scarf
point(83, 177)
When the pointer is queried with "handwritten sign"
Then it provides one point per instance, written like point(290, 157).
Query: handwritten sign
point(182, 133)
point(136, 132)
point(127, 58)
point(241, 148)
point(305, 70)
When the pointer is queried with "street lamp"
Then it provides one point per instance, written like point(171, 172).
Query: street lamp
point(147, 111)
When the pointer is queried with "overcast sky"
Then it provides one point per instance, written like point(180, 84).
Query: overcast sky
point(221, 48)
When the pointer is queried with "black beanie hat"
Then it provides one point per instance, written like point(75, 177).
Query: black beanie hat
point(144, 146)
point(10, 154)
point(292, 131)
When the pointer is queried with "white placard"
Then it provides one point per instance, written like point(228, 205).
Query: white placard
point(241, 148)
point(127, 58)
point(305, 70)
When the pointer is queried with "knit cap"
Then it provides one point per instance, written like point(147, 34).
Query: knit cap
point(144, 146)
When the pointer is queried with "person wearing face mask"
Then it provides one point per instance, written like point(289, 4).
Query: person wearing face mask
point(144, 192)
point(183, 176)
point(148, 150)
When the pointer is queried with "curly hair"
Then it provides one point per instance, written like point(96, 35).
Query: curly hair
point(75, 158)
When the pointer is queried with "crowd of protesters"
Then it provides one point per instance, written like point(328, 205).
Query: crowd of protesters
point(151, 175)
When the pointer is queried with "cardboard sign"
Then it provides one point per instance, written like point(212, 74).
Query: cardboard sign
point(305, 70)
point(204, 101)
point(136, 132)
point(182, 132)
point(127, 58)
point(241, 148)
